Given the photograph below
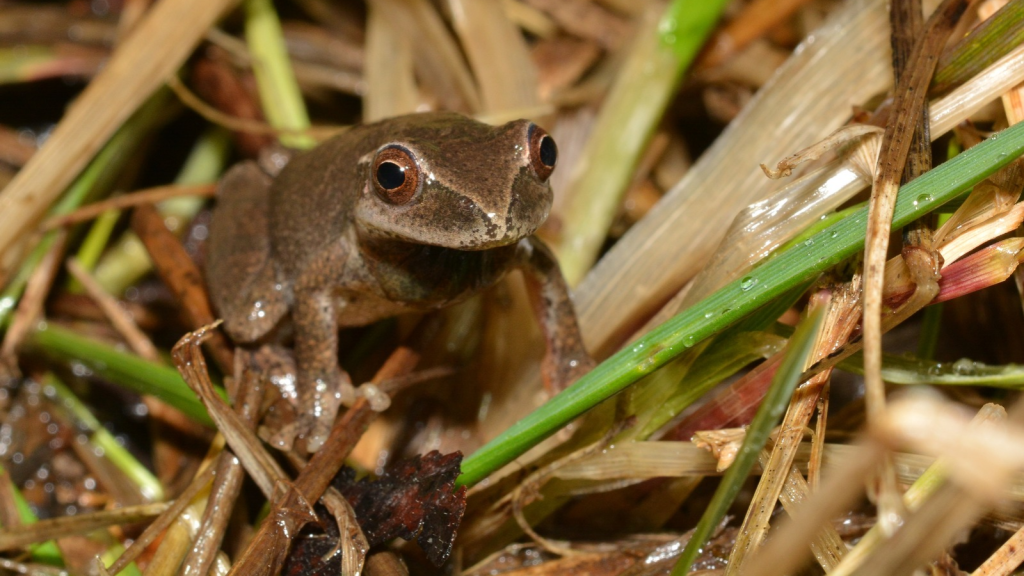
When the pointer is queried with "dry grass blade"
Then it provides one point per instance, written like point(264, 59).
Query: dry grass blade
point(118, 316)
point(909, 101)
point(907, 111)
point(952, 506)
point(1006, 559)
point(828, 547)
point(927, 532)
point(146, 59)
point(778, 396)
point(263, 468)
point(498, 55)
point(778, 556)
point(31, 305)
point(840, 137)
point(980, 456)
point(390, 79)
point(439, 63)
point(70, 525)
point(916, 495)
point(529, 490)
point(853, 44)
point(352, 543)
point(291, 510)
point(841, 319)
point(227, 483)
point(162, 522)
point(763, 226)
point(588, 20)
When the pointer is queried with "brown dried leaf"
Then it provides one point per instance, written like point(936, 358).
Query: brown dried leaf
point(415, 499)
point(312, 552)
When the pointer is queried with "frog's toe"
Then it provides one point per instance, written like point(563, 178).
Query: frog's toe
point(304, 434)
point(284, 438)
point(347, 394)
point(317, 436)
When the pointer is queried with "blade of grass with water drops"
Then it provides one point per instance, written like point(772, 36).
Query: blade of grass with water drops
point(767, 417)
point(736, 300)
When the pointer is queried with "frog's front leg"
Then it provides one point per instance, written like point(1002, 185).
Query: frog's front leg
point(322, 384)
point(566, 358)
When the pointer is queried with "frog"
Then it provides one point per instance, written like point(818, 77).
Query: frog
point(405, 215)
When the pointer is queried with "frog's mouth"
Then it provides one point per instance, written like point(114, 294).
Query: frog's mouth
point(520, 219)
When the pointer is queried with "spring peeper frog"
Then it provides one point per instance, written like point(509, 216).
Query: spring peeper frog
point(409, 214)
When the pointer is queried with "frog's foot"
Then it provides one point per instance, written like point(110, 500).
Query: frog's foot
point(304, 434)
point(317, 415)
point(307, 431)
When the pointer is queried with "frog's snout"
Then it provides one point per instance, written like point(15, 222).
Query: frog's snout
point(525, 210)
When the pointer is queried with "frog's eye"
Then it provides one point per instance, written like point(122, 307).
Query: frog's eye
point(543, 152)
point(395, 175)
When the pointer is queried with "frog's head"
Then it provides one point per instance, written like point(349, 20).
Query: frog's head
point(446, 180)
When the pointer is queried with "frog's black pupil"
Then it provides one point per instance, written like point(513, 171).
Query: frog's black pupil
point(548, 151)
point(390, 175)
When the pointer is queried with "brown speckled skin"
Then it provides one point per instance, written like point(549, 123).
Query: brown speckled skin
point(318, 242)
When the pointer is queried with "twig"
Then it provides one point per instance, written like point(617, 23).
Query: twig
point(146, 196)
point(70, 525)
point(246, 125)
point(909, 101)
point(316, 476)
point(118, 316)
point(179, 272)
point(31, 305)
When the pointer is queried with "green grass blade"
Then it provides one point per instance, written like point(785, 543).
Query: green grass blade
point(43, 552)
point(279, 92)
point(931, 325)
point(768, 415)
point(990, 41)
point(123, 369)
point(729, 352)
point(736, 300)
point(922, 372)
point(127, 261)
point(100, 437)
point(635, 105)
